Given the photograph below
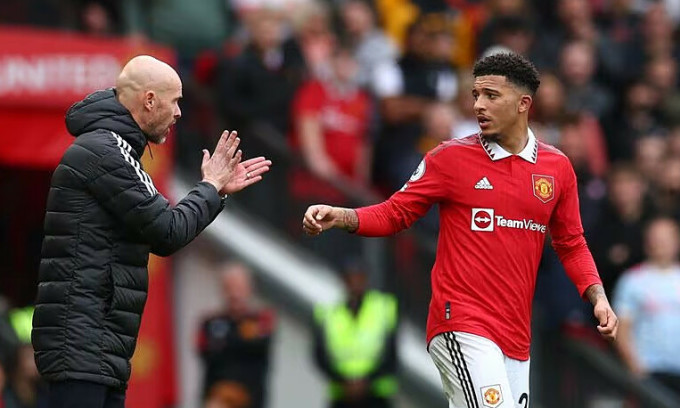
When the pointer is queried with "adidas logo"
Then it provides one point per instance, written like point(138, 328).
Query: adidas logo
point(483, 184)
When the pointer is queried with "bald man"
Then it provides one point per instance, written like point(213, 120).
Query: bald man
point(104, 216)
point(235, 343)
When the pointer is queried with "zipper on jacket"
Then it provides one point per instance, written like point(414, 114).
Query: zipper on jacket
point(447, 310)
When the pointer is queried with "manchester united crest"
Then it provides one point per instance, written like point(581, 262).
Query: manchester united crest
point(544, 187)
point(492, 396)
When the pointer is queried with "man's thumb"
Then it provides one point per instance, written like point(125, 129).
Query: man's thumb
point(323, 212)
point(603, 317)
point(206, 156)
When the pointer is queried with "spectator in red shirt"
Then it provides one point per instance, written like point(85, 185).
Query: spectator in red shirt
point(330, 128)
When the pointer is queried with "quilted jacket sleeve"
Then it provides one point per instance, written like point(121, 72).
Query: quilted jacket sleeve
point(126, 190)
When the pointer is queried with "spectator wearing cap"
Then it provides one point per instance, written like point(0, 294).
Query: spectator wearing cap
point(355, 344)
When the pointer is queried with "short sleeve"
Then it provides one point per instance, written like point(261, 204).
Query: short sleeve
point(309, 99)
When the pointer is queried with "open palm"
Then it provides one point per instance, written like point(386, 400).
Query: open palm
point(247, 173)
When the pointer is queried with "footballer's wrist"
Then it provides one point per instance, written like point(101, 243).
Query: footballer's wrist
point(596, 294)
point(346, 219)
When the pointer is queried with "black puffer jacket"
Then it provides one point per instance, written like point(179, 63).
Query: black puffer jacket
point(103, 218)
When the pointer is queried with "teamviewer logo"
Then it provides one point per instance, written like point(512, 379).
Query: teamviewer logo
point(482, 219)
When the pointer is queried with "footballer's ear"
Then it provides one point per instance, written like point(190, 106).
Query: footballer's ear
point(525, 102)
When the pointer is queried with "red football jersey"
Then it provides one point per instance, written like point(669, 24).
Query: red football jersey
point(495, 211)
point(344, 119)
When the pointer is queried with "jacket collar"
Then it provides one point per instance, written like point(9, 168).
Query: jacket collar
point(496, 152)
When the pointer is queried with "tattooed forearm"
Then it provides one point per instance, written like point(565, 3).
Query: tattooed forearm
point(595, 293)
point(350, 220)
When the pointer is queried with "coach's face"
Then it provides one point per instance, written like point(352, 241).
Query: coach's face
point(161, 106)
point(499, 105)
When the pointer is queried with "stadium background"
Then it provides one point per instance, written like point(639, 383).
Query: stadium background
point(609, 99)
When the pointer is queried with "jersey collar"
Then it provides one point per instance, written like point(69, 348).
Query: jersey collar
point(496, 152)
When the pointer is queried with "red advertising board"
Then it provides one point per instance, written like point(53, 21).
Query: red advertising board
point(41, 74)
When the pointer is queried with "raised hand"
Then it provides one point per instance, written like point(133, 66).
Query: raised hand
point(221, 167)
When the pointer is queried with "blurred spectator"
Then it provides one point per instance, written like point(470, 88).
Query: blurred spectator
point(670, 7)
point(189, 27)
point(467, 122)
point(647, 301)
point(234, 344)
point(574, 142)
point(667, 192)
point(438, 124)
point(674, 141)
point(97, 20)
point(258, 84)
point(577, 66)
point(355, 344)
point(8, 337)
point(551, 116)
point(248, 9)
point(515, 33)
point(502, 19)
point(650, 151)
point(620, 26)
point(640, 116)
point(656, 39)
point(662, 74)
point(24, 387)
point(422, 76)
point(371, 47)
point(616, 240)
point(330, 121)
point(574, 23)
point(314, 36)
point(548, 109)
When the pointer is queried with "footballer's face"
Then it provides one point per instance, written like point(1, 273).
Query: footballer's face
point(162, 107)
point(499, 105)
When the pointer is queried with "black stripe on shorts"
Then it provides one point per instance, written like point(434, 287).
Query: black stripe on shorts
point(459, 364)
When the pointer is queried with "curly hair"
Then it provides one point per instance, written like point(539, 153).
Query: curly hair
point(517, 69)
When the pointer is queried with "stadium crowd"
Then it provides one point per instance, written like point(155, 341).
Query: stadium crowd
point(356, 91)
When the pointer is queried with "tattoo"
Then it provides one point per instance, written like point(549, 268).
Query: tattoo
point(595, 293)
point(350, 220)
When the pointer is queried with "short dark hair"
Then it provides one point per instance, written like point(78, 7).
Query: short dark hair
point(517, 69)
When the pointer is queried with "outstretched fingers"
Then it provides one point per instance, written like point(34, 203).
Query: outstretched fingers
point(256, 160)
point(232, 145)
point(226, 140)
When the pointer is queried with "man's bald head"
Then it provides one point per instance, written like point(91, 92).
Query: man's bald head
point(237, 286)
point(150, 89)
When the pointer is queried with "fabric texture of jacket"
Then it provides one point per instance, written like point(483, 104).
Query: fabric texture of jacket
point(103, 218)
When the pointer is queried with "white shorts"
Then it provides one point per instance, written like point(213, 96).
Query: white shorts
point(475, 373)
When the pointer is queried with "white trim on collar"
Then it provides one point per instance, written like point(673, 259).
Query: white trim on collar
point(496, 152)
